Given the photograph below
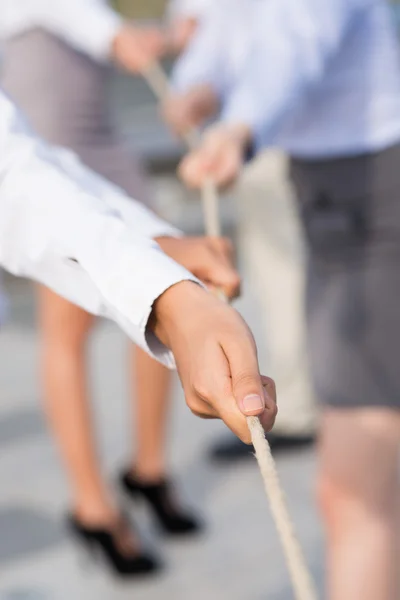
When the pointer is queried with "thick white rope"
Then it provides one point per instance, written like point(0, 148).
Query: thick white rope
point(302, 581)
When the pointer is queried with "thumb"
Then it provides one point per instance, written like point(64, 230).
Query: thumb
point(254, 394)
point(247, 386)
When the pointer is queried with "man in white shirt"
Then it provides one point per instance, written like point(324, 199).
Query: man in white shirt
point(62, 225)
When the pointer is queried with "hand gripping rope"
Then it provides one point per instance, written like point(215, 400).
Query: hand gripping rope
point(302, 582)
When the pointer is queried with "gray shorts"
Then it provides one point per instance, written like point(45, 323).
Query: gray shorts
point(64, 94)
point(350, 209)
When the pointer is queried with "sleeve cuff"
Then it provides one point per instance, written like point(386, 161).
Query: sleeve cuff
point(133, 306)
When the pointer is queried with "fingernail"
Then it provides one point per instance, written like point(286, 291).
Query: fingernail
point(252, 402)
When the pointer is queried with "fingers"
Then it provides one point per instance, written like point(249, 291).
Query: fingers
point(268, 417)
point(218, 267)
point(219, 157)
point(223, 246)
point(192, 169)
point(136, 48)
point(210, 394)
point(255, 395)
point(178, 115)
point(223, 168)
point(204, 162)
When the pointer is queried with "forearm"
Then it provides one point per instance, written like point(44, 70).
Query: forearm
point(131, 211)
point(57, 231)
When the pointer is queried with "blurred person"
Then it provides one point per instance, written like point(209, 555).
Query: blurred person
point(56, 62)
point(71, 230)
point(270, 237)
point(323, 83)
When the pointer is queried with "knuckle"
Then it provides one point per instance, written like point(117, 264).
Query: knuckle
point(200, 390)
point(235, 281)
point(195, 405)
point(227, 245)
point(245, 378)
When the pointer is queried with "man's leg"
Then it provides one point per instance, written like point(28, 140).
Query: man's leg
point(359, 497)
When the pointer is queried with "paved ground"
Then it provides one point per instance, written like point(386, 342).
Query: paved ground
point(239, 557)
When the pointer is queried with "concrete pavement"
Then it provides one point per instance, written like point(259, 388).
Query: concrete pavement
point(238, 558)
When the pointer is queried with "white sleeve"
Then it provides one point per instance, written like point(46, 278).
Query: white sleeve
point(55, 230)
point(218, 52)
point(90, 26)
point(203, 61)
point(130, 210)
point(292, 42)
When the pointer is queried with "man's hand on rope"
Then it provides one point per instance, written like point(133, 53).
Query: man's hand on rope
point(184, 112)
point(219, 157)
point(181, 32)
point(216, 357)
point(136, 48)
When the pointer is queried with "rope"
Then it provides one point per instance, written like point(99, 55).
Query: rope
point(302, 581)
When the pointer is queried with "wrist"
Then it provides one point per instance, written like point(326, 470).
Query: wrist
point(238, 134)
point(204, 100)
point(173, 306)
point(241, 134)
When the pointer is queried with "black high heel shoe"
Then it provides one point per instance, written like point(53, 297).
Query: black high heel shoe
point(102, 542)
point(158, 496)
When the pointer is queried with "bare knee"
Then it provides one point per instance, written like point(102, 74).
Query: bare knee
point(358, 477)
point(334, 502)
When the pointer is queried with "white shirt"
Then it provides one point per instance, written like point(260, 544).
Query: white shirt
point(74, 232)
point(89, 26)
point(218, 52)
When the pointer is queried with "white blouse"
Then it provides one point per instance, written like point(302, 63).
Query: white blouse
point(66, 227)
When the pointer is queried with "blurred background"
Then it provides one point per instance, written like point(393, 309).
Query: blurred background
point(238, 556)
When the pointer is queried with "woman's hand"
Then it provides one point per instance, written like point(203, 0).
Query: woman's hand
point(210, 259)
point(216, 357)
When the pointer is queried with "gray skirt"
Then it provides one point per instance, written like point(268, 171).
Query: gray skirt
point(64, 95)
point(351, 214)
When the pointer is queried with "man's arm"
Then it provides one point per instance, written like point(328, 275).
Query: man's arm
point(217, 50)
point(293, 40)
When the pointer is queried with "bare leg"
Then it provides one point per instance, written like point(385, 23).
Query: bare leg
point(359, 496)
point(152, 384)
point(65, 330)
